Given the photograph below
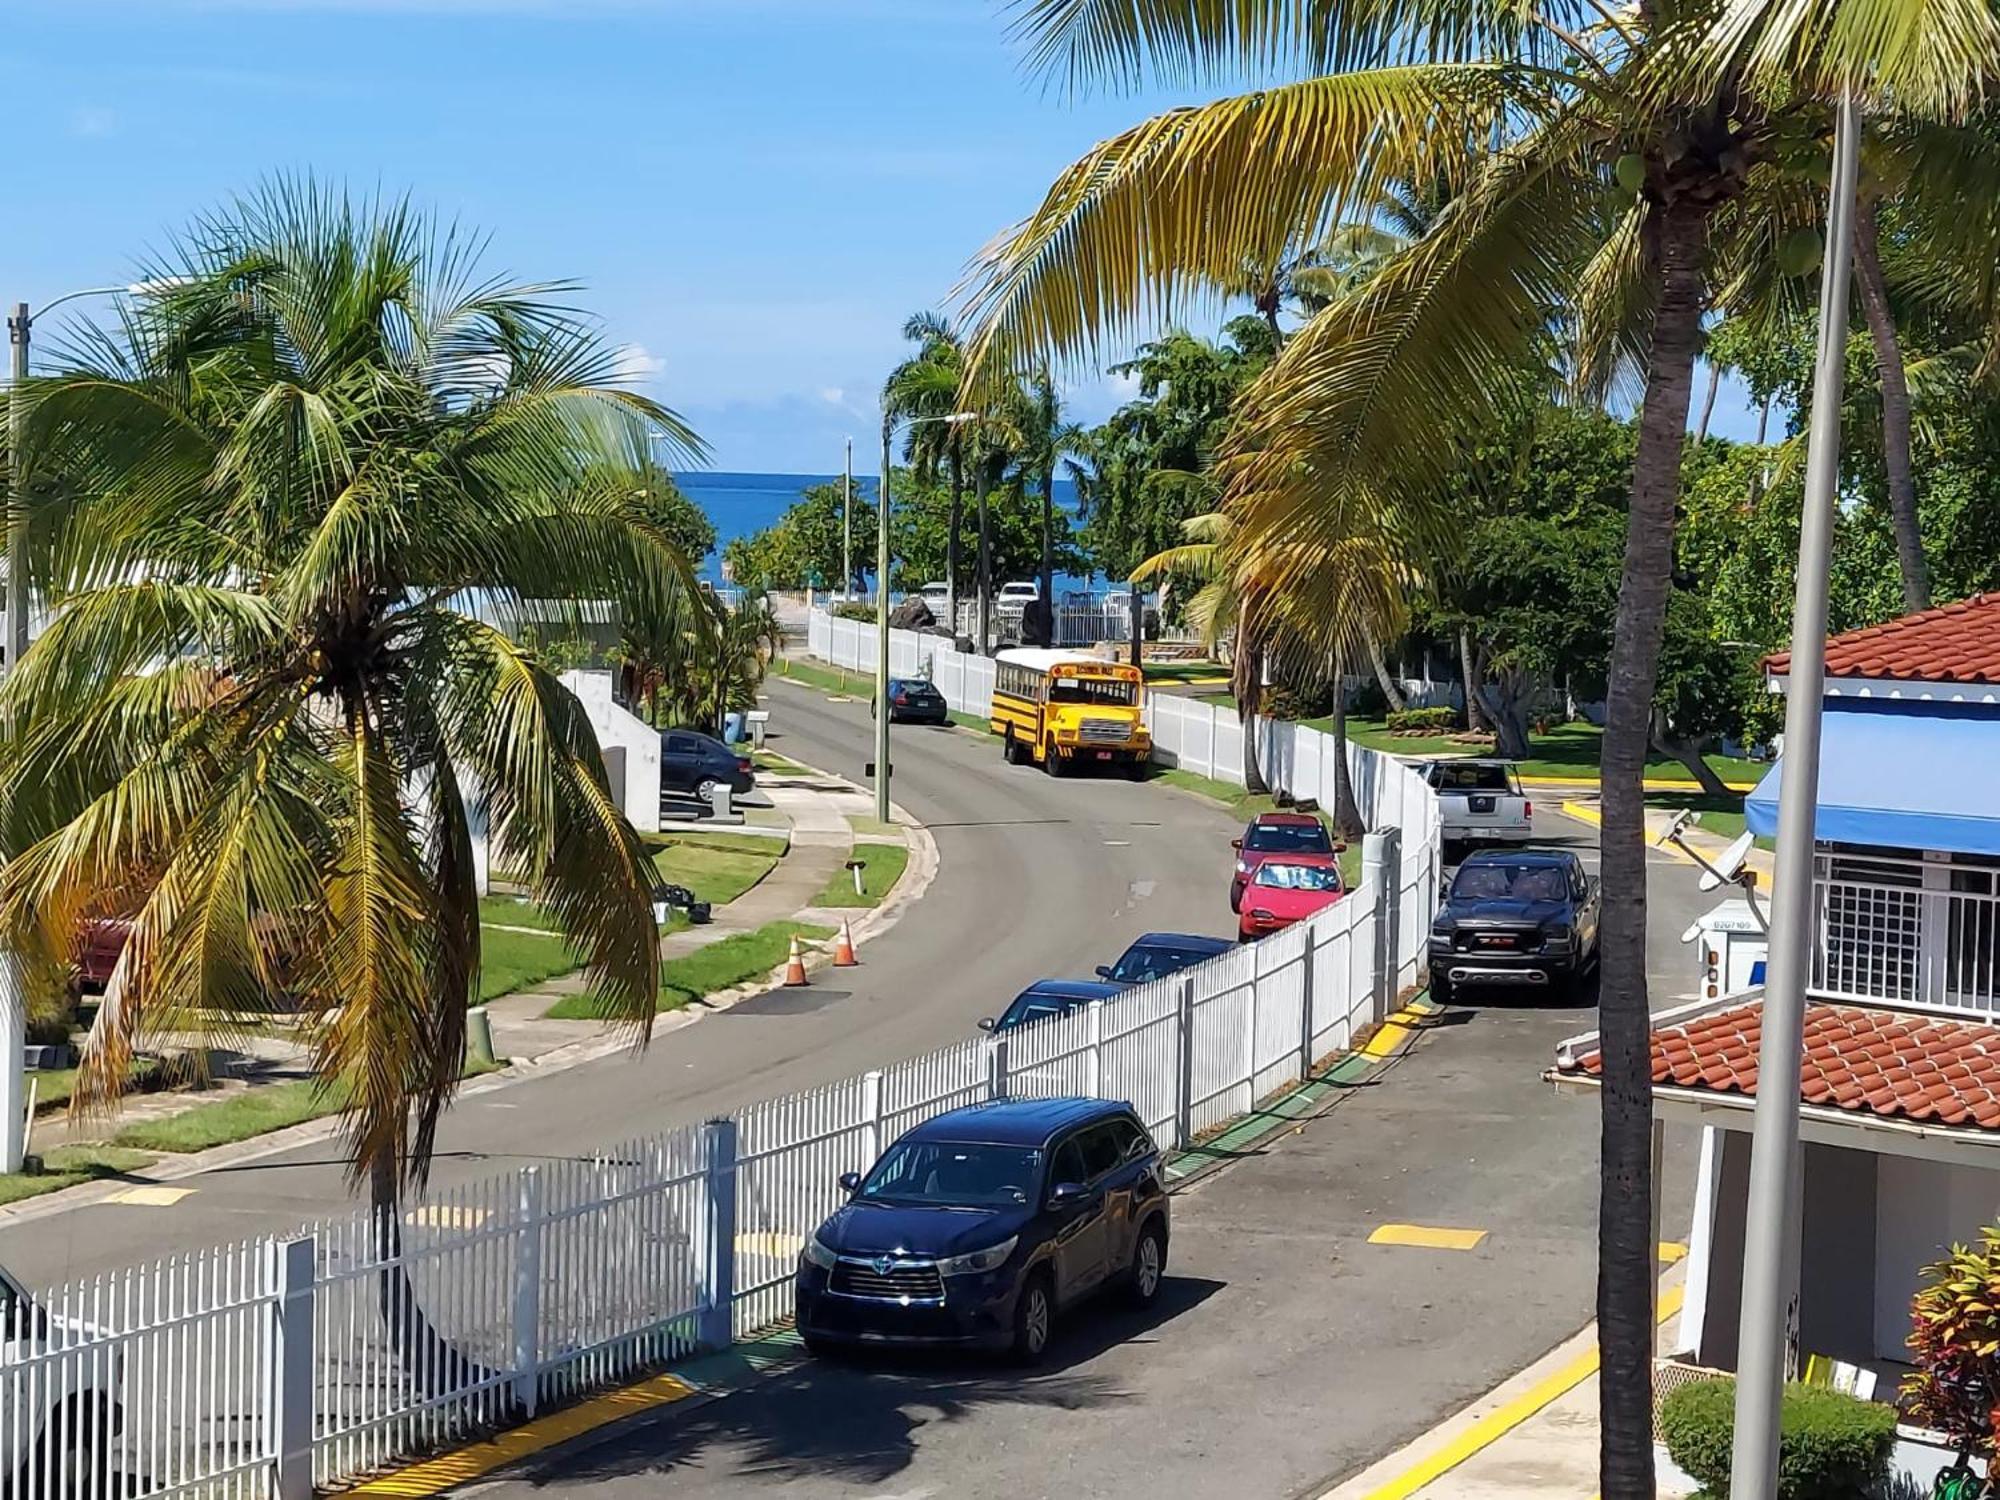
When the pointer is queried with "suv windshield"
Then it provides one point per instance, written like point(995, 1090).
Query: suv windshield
point(1520, 882)
point(1299, 877)
point(1154, 962)
point(1288, 838)
point(1035, 1008)
point(1473, 779)
point(953, 1173)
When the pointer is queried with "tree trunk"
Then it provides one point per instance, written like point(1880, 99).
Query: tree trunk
point(1763, 420)
point(1627, 1274)
point(1049, 544)
point(953, 528)
point(1347, 823)
point(1708, 401)
point(1475, 711)
point(1391, 689)
point(1689, 754)
point(984, 581)
point(1505, 706)
point(1139, 625)
point(1246, 669)
point(1895, 407)
point(433, 1363)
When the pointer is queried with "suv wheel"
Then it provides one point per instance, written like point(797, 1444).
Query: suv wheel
point(1149, 1265)
point(1440, 987)
point(705, 788)
point(1034, 1319)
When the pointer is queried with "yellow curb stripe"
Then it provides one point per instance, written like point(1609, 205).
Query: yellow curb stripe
point(1496, 1424)
point(1651, 783)
point(1672, 1251)
point(1583, 812)
point(435, 1476)
point(1387, 1039)
point(1422, 1237)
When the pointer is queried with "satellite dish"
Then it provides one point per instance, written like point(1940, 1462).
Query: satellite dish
point(1725, 868)
point(1681, 820)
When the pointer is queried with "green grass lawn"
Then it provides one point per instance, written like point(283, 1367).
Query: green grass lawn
point(1183, 671)
point(67, 1166)
point(970, 721)
point(511, 961)
point(829, 679)
point(717, 867)
point(882, 867)
point(720, 966)
point(867, 823)
point(1721, 816)
point(55, 1086)
point(1566, 751)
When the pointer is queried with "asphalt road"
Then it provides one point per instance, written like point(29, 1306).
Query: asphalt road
point(1039, 877)
point(1286, 1351)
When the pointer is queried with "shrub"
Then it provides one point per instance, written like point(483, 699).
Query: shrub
point(50, 1031)
point(1368, 700)
point(1282, 702)
point(1955, 1344)
point(1832, 1446)
point(1423, 718)
point(850, 610)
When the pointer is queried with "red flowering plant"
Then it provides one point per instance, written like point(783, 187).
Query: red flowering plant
point(1955, 1345)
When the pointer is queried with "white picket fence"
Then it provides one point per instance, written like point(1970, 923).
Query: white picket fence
point(265, 1369)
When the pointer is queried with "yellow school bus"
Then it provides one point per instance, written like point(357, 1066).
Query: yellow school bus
point(1063, 710)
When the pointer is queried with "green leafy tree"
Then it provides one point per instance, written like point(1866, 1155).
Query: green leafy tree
point(807, 545)
point(678, 518)
point(918, 532)
point(259, 720)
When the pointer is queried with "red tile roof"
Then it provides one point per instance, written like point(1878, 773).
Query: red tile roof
point(1876, 1062)
point(1952, 643)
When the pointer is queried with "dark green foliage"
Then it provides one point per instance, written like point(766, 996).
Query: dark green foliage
point(865, 613)
point(922, 514)
point(1444, 717)
point(805, 549)
point(1833, 1446)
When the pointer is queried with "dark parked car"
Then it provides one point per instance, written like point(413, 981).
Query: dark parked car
point(1051, 997)
point(915, 700)
point(1515, 916)
point(1158, 954)
point(694, 763)
point(983, 1225)
point(1275, 835)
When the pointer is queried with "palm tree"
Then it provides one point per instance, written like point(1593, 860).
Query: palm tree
point(291, 493)
point(1612, 138)
point(925, 386)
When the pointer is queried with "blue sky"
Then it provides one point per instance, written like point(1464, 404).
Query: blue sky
point(755, 193)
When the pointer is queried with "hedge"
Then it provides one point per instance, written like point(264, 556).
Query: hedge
point(1423, 718)
point(1832, 1446)
point(849, 610)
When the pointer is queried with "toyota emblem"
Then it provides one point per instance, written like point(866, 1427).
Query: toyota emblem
point(883, 1265)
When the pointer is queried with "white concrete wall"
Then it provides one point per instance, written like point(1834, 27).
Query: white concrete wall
point(618, 727)
point(1922, 1209)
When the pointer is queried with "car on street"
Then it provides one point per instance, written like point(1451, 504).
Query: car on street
point(936, 595)
point(1525, 917)
point(1287, 890)
point(1050, 997)
point(1155, 955)
point(1481, 802)
point(694, 764)
point(914, 700)
point(983, 1226)
point(1276, 835)
point(61, 1439)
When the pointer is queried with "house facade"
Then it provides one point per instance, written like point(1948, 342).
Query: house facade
point(1899, 1077)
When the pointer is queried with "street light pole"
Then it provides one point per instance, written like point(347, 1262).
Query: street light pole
point(19, 328)
point(882, 631)
point(847, 521)
point(1771, 1231)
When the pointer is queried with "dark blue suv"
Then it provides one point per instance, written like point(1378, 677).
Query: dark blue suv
point(981, 1226)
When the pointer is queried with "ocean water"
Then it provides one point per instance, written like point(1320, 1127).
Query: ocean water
point(743, 504)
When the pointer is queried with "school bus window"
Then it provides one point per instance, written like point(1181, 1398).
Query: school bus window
point(1108, 691)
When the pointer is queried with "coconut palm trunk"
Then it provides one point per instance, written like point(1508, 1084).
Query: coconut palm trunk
point(981, 483)
point(1347, 821)
point(1677, 230)
point(1392, 690)
point(1246, 670)
point(954, 528)
point(1895, 406)
point(1049, 540)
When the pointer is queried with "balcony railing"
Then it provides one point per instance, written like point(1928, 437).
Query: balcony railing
point(1907, 934)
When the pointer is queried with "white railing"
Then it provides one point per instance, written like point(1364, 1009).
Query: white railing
point(1918, 944)
point(268, 1368)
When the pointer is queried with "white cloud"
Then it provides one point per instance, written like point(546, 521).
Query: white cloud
point(635, 365)
point(92, 122)
point(832, 395)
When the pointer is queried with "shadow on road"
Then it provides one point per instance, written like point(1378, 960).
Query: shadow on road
point(859, 1419)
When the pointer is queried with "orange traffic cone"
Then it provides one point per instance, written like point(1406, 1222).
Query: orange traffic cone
point(795, 966)
point(843, 951)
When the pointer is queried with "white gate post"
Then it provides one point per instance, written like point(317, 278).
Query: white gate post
point(288, 1365)
point(528, 1294)
point(1184, 1068)
point(1311, 961)
point(997, 1079)
point(1250, 1029)
point(718, 1301)
point(1093, 1031)
point(1378, 873)
point(871, 1117)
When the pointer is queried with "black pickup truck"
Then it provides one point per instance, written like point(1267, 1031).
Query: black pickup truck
point(1524, 917)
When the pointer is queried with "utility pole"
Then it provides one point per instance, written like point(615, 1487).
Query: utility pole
point(1771, 1231)
point(13, 993)
point(847, 521)
point(882, 632)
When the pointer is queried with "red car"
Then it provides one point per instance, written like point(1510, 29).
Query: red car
point(1287, 890)
point(1276, 835)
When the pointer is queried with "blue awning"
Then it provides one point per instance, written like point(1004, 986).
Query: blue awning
point(1905, 774)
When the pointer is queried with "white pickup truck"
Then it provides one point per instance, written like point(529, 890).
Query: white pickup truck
point(1480, 802)
point(59, 1408)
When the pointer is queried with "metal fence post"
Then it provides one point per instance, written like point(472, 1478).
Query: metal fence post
point(1250, 1030)
point(871, 1117)
point(1379, 873)
point(718, 1302)
point(289, 1365)
point(1311, 961)
point(1184, 1067)
point(528, 1294)
point(1093, 1032)
point(997, 1079)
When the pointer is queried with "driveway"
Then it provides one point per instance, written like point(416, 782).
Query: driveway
point(1286, 1350)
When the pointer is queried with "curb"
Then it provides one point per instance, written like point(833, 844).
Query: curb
point(917, 877)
